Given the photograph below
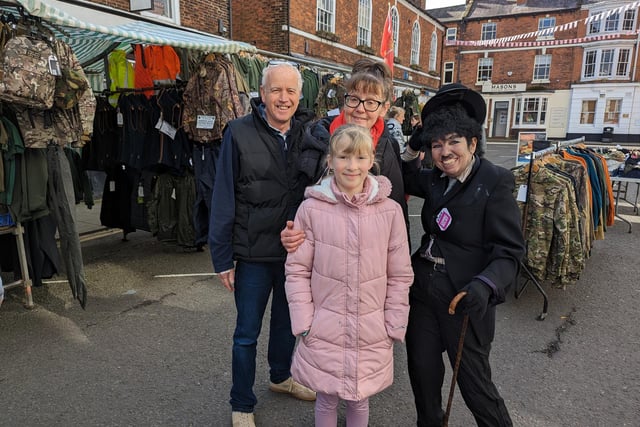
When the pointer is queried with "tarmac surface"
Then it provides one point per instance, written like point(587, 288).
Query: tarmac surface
point(153, 347)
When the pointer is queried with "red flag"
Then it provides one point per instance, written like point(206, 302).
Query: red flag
point(386, 46)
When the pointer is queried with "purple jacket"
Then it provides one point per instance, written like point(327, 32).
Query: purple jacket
point(348, 285)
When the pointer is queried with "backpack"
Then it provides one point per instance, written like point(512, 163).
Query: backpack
point(25, 75)
point(73, 82)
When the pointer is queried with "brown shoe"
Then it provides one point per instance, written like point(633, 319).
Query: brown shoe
point(242, 419)
point(295, 389)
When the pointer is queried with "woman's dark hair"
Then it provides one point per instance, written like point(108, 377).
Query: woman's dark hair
point(450, 119)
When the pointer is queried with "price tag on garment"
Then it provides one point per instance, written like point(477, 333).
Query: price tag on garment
point(331, 93)
point(205, 122)
point(119, 119)
point(254, 94)
point(166, 128)
point(522, 193)
point(140, 194)
point(173, 194)
point(112, 186)
point(333, 112)
point(54, 65)
point(443, 219)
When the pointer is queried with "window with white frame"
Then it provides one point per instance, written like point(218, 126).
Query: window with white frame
point(606, 63)
point(485, 69)
point(488, 31)
point(166, 10)
point(433, 52)
point(530, 111)
point(544, 24)
point(415, 44)
point(395, 28)
point(364, 23)
point(448, 72)
point(588, 112)
point(326, 16)
point(452, 34)
point(629, 20)
point(542, 68)
point(622, 66)
point(613, 23)
point(612, 111)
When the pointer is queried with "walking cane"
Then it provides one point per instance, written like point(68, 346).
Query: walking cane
point(456, 366)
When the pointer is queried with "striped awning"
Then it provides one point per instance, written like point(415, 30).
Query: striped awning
point(90, 31)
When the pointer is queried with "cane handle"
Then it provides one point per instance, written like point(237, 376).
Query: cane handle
point(455, 301)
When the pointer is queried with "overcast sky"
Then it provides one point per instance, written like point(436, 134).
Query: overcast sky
point(434, 4)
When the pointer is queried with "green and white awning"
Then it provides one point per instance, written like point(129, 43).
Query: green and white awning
point(90, 31)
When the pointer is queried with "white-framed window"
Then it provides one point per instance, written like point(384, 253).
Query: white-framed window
point(433, 52)
point(629, 20)
point(364, 23)
point(612, 111)
point(395, 29)
point(165, 10)
point(448, 72)
point(326, 16)
point(485, 69)
point(545, 23)
point(530, 111)
point(542, 68)
point(452, 34)
point(613, 23)
point(489, 30)
point(606, 63)
point(588, 112)
point(415, 44)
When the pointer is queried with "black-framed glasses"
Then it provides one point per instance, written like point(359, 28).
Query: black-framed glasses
point(370, 105)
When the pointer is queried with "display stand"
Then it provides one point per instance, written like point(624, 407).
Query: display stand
point(18, 231)
point(529, 276)
point(620, 186)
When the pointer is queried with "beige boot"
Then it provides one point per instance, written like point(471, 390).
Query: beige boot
point(295, 389)
point(242, 419)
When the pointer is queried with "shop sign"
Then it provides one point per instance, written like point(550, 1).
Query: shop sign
point(503, 87)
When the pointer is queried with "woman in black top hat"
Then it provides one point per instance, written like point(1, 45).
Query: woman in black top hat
point(472, 243)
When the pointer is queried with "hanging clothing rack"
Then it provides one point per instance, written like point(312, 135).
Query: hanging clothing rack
point(530, 277)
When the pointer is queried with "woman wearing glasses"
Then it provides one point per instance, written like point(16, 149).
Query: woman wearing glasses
point(365, 104)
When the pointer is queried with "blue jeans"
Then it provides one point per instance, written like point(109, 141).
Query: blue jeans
point(254, 282)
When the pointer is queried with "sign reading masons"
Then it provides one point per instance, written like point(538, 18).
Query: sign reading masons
point(503, 87)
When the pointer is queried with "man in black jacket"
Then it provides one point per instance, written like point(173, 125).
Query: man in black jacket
point(261, 175)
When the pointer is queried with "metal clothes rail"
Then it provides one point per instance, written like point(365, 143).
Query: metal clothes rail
point(18, 231)
point(530, 277)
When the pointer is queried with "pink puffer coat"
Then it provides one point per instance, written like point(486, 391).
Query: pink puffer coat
point(348, 285)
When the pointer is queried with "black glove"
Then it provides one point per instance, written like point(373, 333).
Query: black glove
point(417, 140)
point(476, 301)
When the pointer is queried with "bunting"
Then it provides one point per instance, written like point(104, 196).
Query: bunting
point(511, 41)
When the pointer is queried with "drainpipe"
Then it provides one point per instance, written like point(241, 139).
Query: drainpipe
point(288, 12)
point(229, 11)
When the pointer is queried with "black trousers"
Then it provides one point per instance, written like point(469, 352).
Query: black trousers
point(431, 331)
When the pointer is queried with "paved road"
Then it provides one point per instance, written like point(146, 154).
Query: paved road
point(153, 346)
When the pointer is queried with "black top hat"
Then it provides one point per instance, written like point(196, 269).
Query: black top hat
point(452, 93)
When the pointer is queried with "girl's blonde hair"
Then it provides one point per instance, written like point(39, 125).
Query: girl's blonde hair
point(358, 140)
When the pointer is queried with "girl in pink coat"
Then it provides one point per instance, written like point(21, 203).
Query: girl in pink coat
point(348, 283)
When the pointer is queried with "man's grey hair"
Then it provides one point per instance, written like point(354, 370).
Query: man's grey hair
point(273, 67)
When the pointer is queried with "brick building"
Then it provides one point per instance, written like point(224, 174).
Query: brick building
point(564, 67)
point(335, 33)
